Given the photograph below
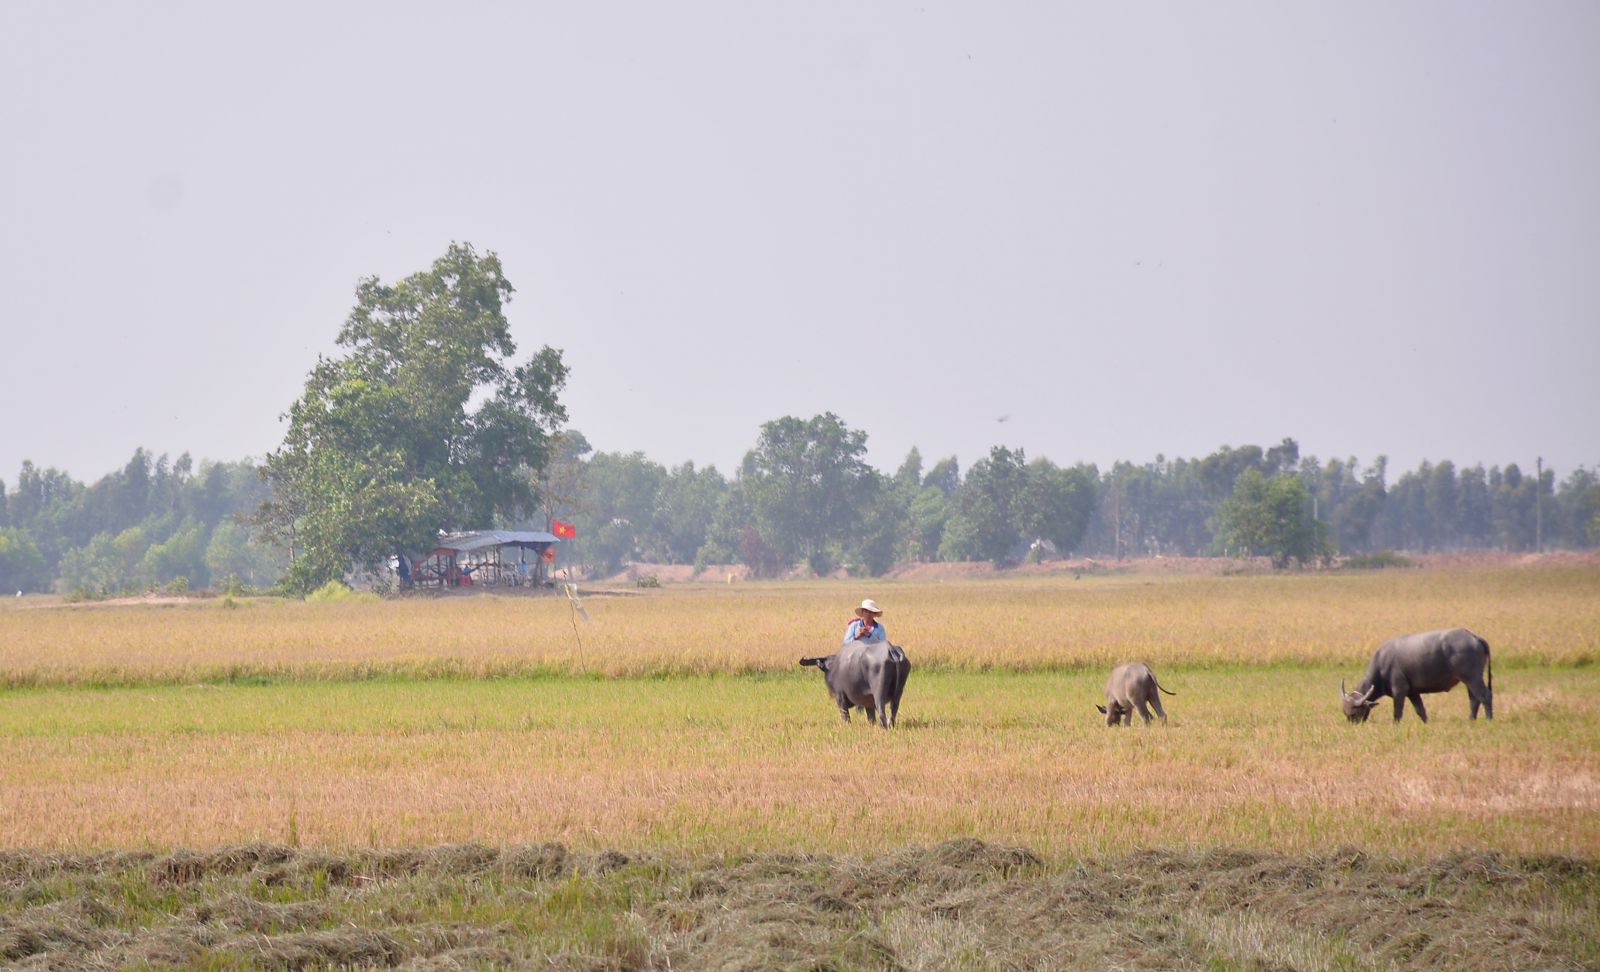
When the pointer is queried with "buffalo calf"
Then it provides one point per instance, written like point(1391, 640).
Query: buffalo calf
point(1132, 686)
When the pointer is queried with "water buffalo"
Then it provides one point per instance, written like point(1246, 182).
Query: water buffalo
point(872, 676)
point(1411, 666)
point(1132, 686)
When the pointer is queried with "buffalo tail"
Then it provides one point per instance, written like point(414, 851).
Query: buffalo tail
point(1488, 663)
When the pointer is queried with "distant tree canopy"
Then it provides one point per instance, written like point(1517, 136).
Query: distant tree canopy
point(384, 448)
point(809, 486)
point(156, 522)
point(22, 567)
point(804, 495)
point(151, 523)
point(1271, 516)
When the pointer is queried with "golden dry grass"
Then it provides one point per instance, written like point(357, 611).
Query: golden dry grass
point(1252, 757)
point(1540, 617)
point(128, 726)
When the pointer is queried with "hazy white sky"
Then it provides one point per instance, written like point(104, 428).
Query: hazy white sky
point(1132, 228)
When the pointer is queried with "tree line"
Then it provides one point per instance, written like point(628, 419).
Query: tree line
point(805, 495)
point(427, 421)
point(153, 523)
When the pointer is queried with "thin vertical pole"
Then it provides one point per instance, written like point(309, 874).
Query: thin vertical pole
point(1538, 508)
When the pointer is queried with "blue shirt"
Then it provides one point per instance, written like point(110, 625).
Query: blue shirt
point(877, 635)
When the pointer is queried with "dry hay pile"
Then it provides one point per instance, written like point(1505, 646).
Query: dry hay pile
point(962, 904)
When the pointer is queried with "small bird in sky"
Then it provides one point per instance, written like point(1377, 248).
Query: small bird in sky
point(1004, 418)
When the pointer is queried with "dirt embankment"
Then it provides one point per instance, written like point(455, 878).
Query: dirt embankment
point(961, 904)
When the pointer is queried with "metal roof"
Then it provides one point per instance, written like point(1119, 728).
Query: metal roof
point(480, 539)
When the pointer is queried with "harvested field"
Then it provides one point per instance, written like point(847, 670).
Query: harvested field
point(958, 905)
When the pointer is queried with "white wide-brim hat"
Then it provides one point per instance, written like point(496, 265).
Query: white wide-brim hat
point(870, 606)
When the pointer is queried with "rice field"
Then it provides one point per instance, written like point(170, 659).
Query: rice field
point(1537, 617)
point(474, 782)
point(1250, 758)
point(679, 719)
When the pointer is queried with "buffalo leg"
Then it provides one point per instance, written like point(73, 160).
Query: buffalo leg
point(1155, 703)
point(1480, 694)
point(883, 708)
point(1144, 712)
point(1416, 703)
point(1399, 706)
point(844, 708)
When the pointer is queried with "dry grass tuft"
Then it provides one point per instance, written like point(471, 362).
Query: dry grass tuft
point(238, 913)
point(958, 905)
point(341, 948)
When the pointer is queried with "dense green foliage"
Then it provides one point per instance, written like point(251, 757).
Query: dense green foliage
point(805, 495)
point(385, 447)
point(1273, 517)
point(153, 523)
point(21, 565)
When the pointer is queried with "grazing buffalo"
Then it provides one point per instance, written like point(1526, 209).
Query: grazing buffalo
point(1411, 666)
point(872, 676)
point(1132, 686)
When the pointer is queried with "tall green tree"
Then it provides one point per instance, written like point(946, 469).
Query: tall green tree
point(685, 507)
point(230, 555)
point(926, 517)
point(725, 533)
point(22, 567)
point(1056, 503)
point(426, 422)
point(880, 540)
point(987, 510)
point(808, 486)
point(1271, 516)
point(619, 497)
point(945, 476)
point(94, 568)
point(1578, 505)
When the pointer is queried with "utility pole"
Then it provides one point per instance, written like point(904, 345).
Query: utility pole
point(1538, 508)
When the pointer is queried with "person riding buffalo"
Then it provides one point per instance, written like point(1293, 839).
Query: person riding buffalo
point(864, 627)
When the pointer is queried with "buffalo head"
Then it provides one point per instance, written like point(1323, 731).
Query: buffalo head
point(1357, 706)
point(1113, 714)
